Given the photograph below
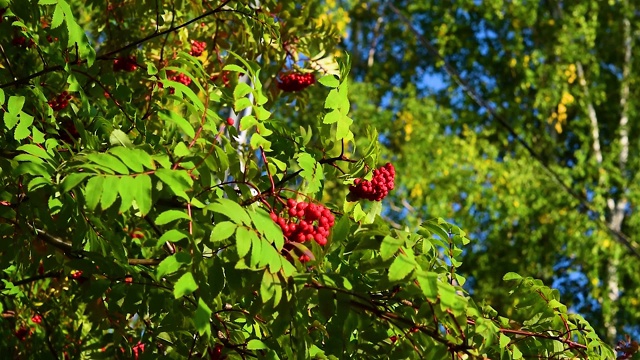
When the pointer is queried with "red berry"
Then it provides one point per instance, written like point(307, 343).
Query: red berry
point(307, 221)
point(230, 121)
point(393, 339)
point(125, 63)
point(22, 333)
point(197, 47)
point(76, 274)
point(293, 82)
point(376, 189)
point(304, 258)
point(216, 352)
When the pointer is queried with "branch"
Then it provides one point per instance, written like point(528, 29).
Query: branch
point(591, 112)
point(67, 248)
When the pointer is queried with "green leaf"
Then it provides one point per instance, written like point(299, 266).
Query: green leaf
point(23, 129)
point(241, 90)
point(230, 209)
point(389, 247)
point(109, 161)
point(126, 189)
point(504, 340)
point(109, 191)
point(181, 150)
point(15, 104)
point(267, 287)
point(38, 136)
point(58, 16)
point(178, 181)
point(247, 122)
point(433, 226)
point(184, 286)
point(93, 190)
point(342, 130)
point(10, 120)
point(329, 81)
point(400, 268)
point(120, 138)
point(72, 180)
point(511, 276)
point(244, 238)
point(172, 264)
point(265, 225)
point(142, 186)
point(256, 344)
point(332, 117)
point(233, 67)
point(35, 150)
point(223, 230)
point(179, 121)
point(241, 104)
point(258, 141)
point(171, 215)
point(429, 285)
point(127, 156)
point(262, 113)
point(201, 318)
point(172, 235)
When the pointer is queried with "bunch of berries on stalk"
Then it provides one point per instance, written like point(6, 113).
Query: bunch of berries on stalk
point(305, 222)
point(295, 81)
point(197, 47)
point(181, 78)
point(21, 41)
point(376, 189)
point(60, 102)
point(125, 63)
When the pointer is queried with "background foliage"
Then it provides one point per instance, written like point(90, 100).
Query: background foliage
point(147, 146)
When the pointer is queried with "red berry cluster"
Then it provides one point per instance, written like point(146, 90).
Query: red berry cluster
point(36, 319)
point(305, 222)
point(295, 81)
point(125, 63)
point(76, 274)
point(21, 41)
point(197, 47)
point(181, 78)
point(22, 333)
point(60, 102)
point(376, 189)
point(51, 38)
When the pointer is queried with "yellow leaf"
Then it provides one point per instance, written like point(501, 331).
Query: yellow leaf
point(558, 127)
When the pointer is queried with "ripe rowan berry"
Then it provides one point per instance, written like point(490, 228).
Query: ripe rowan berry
point(378, 188)
point(293, 82)
point(197, 47)
point(125, 63)
point(302, 221)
